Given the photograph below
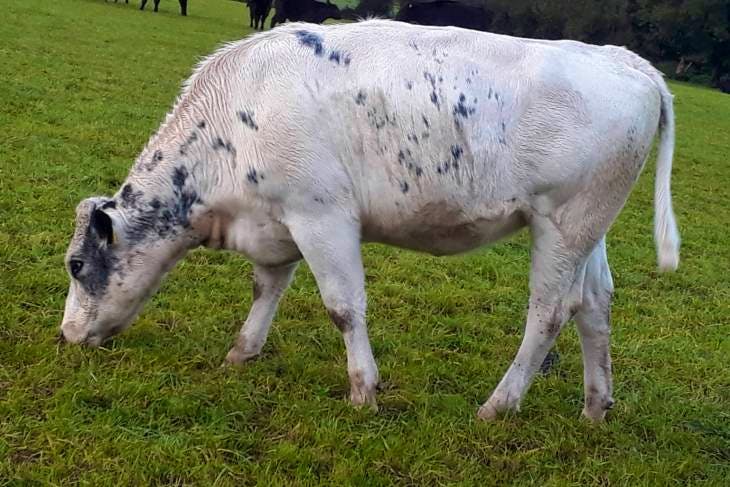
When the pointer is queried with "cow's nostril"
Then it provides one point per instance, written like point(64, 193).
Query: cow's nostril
point(60, 338)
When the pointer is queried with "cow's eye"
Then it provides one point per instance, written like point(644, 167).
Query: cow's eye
point(75, 265)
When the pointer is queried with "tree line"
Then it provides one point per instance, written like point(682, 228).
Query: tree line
point(688, 39)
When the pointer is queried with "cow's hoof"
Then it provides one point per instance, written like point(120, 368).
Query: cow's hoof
point(362, 391)
point(487, 412)
point(496, 406)
point(595, 411)
point(361, 399)
point(237, 356)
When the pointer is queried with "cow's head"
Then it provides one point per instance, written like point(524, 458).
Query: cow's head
point(113, 271)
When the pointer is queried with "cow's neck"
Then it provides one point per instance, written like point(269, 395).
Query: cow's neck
point(169, 193)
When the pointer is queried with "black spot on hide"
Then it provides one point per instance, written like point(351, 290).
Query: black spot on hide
point(311, 40)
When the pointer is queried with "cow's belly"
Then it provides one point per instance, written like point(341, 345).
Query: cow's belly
point(442, 229)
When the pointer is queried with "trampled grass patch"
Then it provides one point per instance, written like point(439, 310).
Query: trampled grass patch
point(85, 83)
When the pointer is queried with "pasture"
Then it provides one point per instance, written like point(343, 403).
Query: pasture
point(86, 82)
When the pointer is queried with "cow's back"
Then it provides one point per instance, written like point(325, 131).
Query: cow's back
point(427, 123)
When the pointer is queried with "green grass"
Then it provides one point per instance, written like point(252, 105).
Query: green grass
point(84, 84)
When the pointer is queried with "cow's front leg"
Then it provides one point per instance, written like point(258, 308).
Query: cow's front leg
point(269, 283)
point(331, 246)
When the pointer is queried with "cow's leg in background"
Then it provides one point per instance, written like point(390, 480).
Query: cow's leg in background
point(330, 243)
point(556, 288)
point(157, 5)
point(594, 326)
point(142, 4)
point(269, 284)
point(183, 7)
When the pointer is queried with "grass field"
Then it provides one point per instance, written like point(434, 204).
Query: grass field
point(85, 83)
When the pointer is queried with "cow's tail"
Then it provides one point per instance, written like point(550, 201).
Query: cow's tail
point(666, 234)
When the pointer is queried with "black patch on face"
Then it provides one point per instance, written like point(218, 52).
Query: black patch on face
point(201, 124)
point(311, 40)
point(404, 187)
point(109, 204)
point(361, 97)
point(252, 176)
point(99, 260)
point(247, 118)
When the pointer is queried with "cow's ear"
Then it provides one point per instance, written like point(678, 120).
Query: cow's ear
point(102, 224)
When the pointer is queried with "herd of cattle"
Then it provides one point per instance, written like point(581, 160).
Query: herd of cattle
point(436, 12)
point(183, 5)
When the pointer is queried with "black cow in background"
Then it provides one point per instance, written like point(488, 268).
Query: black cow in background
point(183, 6)
point(258, 11)
point(304, 11)
point(445, 12)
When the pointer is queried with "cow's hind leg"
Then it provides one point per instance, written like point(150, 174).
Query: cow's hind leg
point(556, 285)
point(593, 320)
point(269, 284)
point(330, 243)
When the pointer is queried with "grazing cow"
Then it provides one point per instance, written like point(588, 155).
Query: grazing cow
point(304, 11)
point(303, 142)
point(183, 6)
point(258, 11)
point(445, 12)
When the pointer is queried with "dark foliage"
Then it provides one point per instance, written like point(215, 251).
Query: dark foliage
point(691, 38)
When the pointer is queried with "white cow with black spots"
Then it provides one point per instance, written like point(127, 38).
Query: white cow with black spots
point(305, 141)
